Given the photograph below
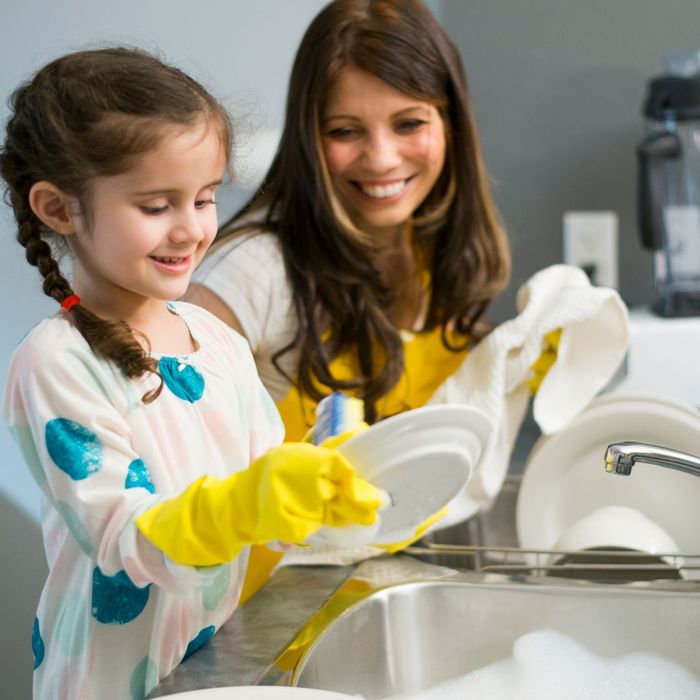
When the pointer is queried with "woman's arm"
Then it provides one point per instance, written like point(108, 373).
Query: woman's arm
point(204, 297)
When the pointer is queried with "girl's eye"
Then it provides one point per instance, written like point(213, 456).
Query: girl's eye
point(408, 126)
point(154, 211)
point(201, 203)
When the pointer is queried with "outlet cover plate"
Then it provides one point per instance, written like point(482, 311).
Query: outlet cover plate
point(590, 242)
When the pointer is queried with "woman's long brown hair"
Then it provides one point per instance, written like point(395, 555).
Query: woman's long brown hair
point(89, 114)
point(340, 301)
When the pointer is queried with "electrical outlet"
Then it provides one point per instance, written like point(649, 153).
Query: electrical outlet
point(590, 242)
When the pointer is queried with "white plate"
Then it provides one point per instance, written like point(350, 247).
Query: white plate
point(422, 458)
point(564, 478)
point(260, 692)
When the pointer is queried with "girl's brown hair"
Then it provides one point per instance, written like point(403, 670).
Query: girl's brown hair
point(336, 288)
point(89, 114)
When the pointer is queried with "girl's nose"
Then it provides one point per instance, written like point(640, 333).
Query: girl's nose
point(187, 227)
point(381, 152)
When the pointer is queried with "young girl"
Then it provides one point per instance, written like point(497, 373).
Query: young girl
point(143, 421)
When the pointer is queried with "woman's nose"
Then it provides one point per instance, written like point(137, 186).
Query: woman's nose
point(381, 152)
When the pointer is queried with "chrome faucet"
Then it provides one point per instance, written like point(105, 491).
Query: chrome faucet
point(620, 457)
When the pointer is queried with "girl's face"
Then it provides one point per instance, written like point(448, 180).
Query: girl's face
point(149, 227)
point(384, 151)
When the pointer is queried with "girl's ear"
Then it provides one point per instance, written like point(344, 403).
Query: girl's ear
point(53, 206)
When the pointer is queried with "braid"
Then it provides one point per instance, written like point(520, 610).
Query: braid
point(110, 339)
point(39, 254)
point(89, 114)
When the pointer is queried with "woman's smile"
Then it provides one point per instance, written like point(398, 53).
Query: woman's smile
point(384, 191)
point(384, 150)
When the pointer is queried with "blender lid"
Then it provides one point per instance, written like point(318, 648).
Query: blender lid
point(674, 97)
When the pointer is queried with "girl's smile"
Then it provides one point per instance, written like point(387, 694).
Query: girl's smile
point(173, 265)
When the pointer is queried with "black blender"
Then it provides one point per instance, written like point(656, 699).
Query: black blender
point(669, 191)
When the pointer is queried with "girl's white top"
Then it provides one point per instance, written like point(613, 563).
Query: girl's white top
point(116, 615)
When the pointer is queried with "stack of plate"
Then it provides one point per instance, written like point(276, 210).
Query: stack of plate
point(260, 692)
point(565, 480)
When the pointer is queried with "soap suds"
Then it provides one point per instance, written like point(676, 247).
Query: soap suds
point(548, 665)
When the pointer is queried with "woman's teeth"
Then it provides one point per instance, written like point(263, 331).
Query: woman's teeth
point(383, 191)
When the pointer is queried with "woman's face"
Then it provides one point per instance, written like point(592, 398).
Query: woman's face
point(384, 151)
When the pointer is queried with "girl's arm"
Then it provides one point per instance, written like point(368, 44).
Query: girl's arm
point(67, 411)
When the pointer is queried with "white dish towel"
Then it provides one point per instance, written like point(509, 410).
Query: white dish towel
point(593, 343)
point(594, 339)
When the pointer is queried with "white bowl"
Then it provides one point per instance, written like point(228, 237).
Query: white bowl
point(565, 479)
point(617, 527)
point(260, 692)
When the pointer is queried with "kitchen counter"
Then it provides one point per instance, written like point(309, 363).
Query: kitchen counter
point(244, 650)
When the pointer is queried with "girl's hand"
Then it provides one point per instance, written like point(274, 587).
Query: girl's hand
point(287, 494)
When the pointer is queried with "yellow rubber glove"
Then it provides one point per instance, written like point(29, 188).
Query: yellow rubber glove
point(544, 362)
point(263, 560)
point(420, 531)
point(287, 494)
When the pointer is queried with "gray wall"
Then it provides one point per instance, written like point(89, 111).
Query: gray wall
point(557, 87)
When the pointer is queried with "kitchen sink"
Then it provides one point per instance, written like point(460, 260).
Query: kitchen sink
point(399, 625)
point(403, 624)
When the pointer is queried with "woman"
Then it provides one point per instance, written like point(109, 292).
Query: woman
point(368, 257)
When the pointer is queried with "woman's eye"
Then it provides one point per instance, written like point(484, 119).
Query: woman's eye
point(342, 133)
point(408, 126)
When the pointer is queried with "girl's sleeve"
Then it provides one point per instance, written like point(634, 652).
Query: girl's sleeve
point(66, 409)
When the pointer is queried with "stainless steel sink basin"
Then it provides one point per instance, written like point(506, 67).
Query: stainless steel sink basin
point(401, 626)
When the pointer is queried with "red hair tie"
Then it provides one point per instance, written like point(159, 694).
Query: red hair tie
point(69, 302)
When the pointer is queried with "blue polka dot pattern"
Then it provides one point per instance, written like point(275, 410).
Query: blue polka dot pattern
point(76, 450)
point(199, 641)
point(76, 526)
point(71, 624)
point(115, 599)
point(138, 476)
point(185, 381)
point(217, 583)
point(37, 644)
point(143, 679)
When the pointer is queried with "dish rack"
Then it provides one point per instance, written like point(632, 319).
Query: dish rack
point(599, 565)
point(488, 543)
